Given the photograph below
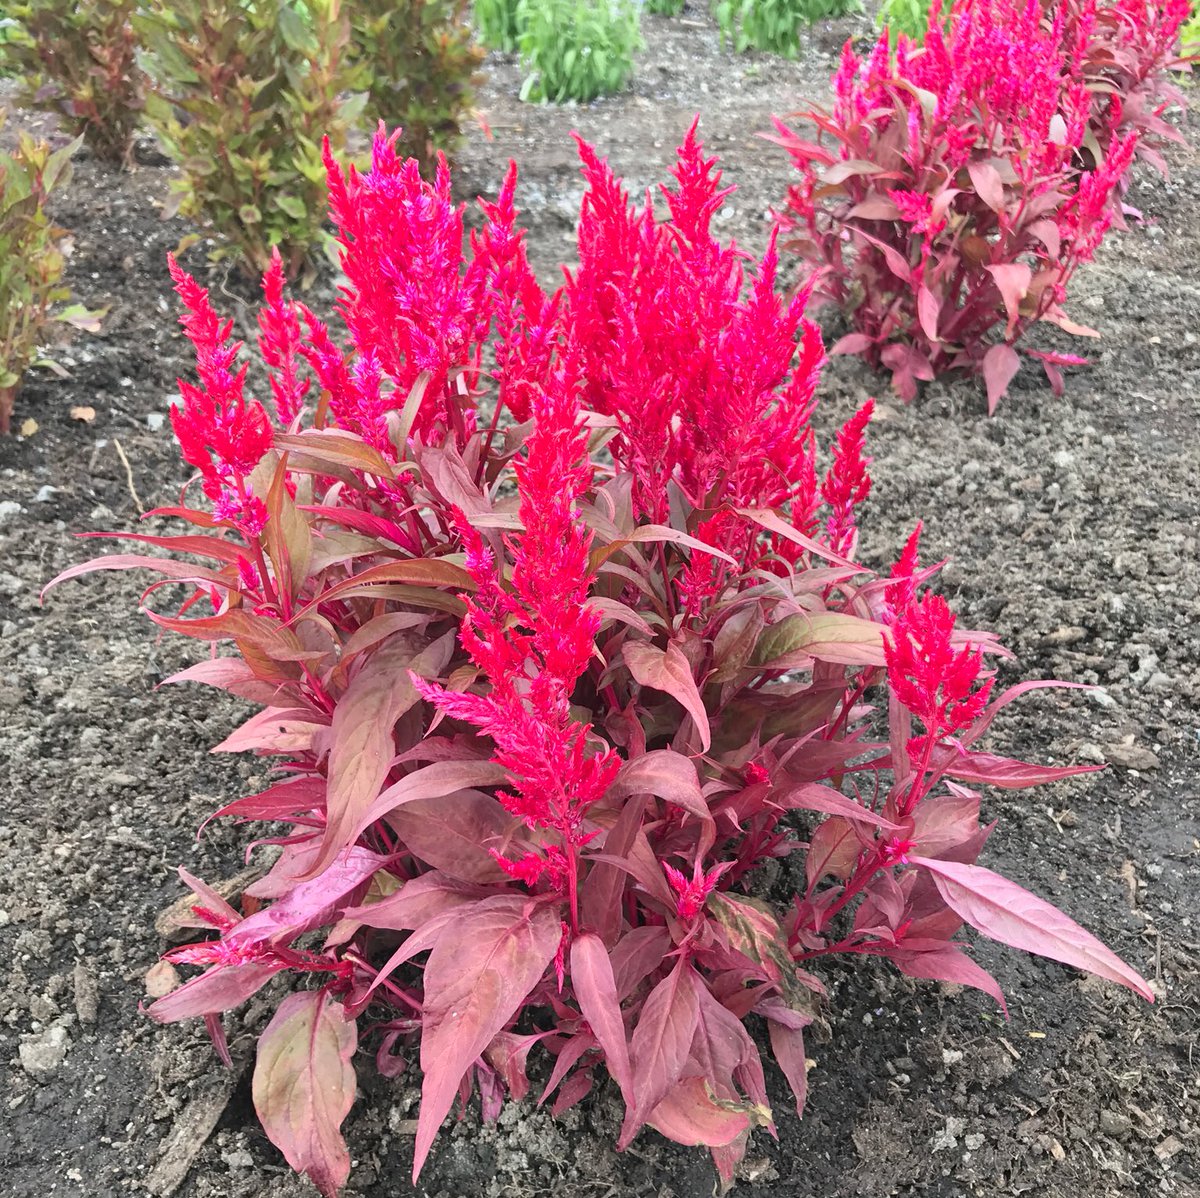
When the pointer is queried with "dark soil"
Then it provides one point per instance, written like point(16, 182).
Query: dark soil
point(1071, 525)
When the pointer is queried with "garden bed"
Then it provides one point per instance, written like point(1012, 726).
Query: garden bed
point(1072, 526)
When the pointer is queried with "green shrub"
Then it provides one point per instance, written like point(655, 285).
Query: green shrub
point(497, 24)
point(1189, 38)
point(79, 61)
point(31, 261)
point(910, 17)
point(665, 8)
point(774, 25)
point(415, 60)
point(577, 49)
point(242, 94)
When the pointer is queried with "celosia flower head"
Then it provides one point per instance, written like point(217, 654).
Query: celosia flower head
point(928, 675)
point(220, 432)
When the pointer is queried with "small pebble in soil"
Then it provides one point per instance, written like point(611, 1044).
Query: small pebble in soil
point(42, 1054)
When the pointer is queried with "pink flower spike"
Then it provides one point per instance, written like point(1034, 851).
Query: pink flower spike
point(693, 893)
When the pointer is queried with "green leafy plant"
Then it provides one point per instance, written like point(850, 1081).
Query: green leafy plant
point(665, 8)
point(577, 49)
point(910, 17)
point(241, 96)
point(79, 61)
point(415, 61)
point(32, 256)
point(774, 25)
point(497, 24)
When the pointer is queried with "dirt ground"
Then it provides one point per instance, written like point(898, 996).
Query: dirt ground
point(1071, 525)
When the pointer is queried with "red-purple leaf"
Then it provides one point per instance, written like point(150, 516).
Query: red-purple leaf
point(813, 797)
point(1004, 911)
point(1006, 772)
point(455, 834)
point(852, 343)
point(282, 801)
point(229, 674)
point(928, 309)
point(596, 991)
point(947, 964)
point(669, 671)
point(988, 184)
point(660, 1045)
point(1012, 280)
point(273, 731)
point(304, 1086)
point(688, 1115)
point(309, 904)
point(362, 741)
point(787, 1046)
point(417, 901)
point(475, 981)
point(218, 989)
point(606, 880)
point(1000, 364)
point(666, 775)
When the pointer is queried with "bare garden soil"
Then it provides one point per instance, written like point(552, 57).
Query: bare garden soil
point(1072, 527)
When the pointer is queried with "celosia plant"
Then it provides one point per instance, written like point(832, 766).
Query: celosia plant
point(79, 61)
point(242, 95)
point(941, 203)
point(1130, 47)
point(32, 259)
point(558, 636)
point(415, 62)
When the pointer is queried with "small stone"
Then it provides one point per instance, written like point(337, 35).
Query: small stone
point(87, 994)
point(161, 978)
point(951, 1056)
point(1154, 870)
point(155, 421)
point(1090, 753)
point(45, 494)
point(1113, 1123)
point(1131, 757)
point(8, 509)
point(238, 1159)
point(1066, 635)
point(947, 1139)
point(42, 1054)
point(974, 1142)
point(119, 780)
point(1168, 1148)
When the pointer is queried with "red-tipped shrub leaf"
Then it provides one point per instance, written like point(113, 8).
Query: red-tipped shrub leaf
point(1004, 911)
point(304, 1086)
point(596, 989)
point(475, 981)
point(660, 1044)
point(362, 744)
point(669, 671)
point(946, 964)
point(457, 833)
point(1000, 365)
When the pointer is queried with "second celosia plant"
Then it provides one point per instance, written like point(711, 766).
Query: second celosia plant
point(942, 204)
point(553, 616)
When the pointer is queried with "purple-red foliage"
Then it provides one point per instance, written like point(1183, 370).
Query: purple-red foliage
point(956, 186)
point(552, 656)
